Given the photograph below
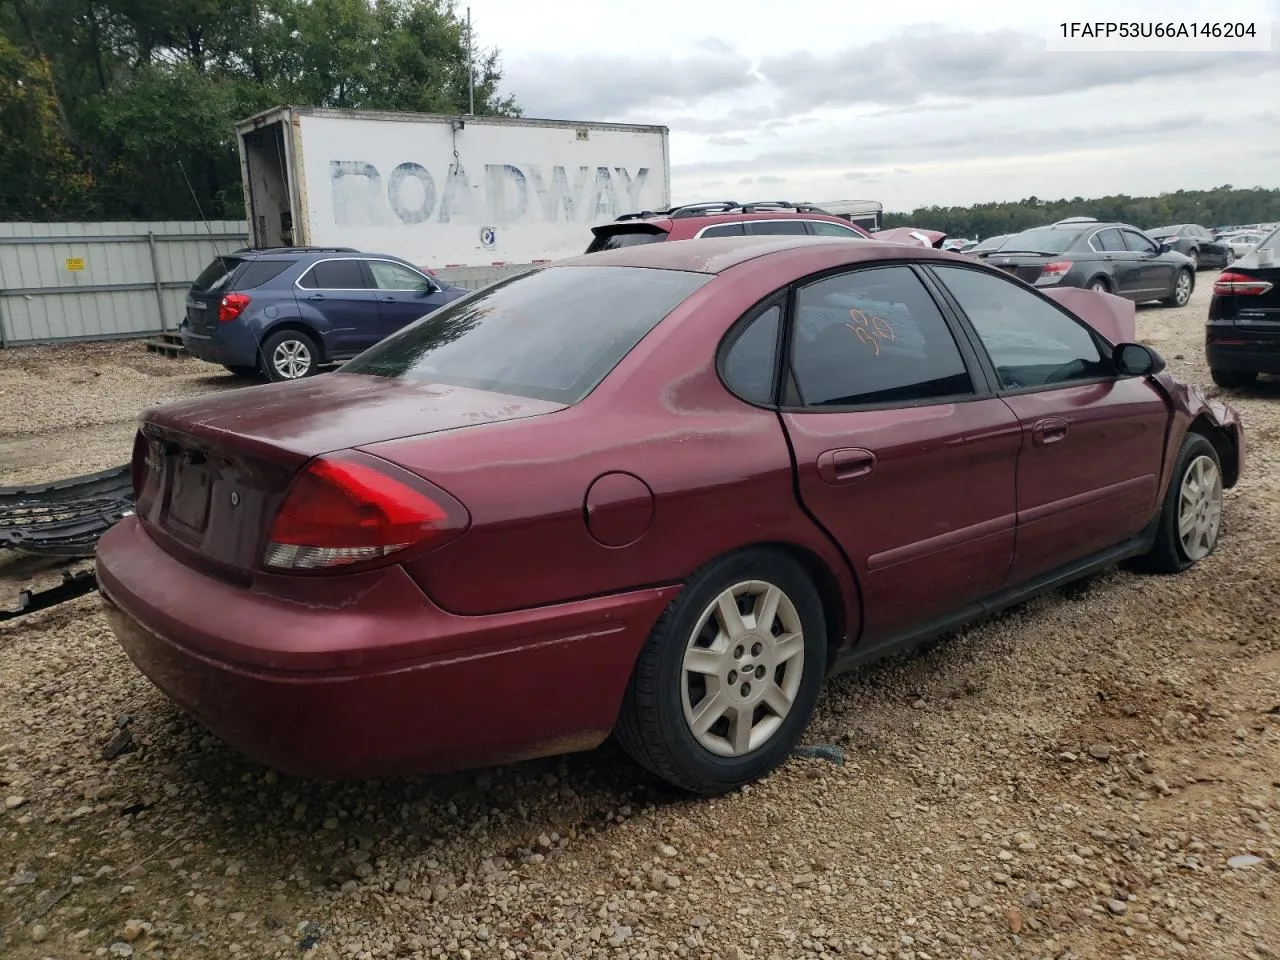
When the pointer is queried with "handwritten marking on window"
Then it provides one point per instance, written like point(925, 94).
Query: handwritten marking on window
point(870, 330)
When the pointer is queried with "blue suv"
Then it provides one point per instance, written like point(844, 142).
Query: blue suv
point(285, 311)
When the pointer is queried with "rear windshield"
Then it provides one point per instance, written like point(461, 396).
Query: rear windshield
point(1041, 240)
point(215, 275)
point(552, 334)
point(616, 240)
point(991, 243)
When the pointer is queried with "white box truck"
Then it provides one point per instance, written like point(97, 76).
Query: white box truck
point(444, 191)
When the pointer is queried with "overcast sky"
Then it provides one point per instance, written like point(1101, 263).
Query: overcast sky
point(923, 102)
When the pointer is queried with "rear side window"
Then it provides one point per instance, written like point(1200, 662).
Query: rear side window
point(551, 334)
point(1108, 240)
point(771, 227)
point(258, 272)
point(335, 275)
point(874, 337)
point(616, 240)
point(752, 357)
point(215, 275)
point(825, 228)
point(723, 230)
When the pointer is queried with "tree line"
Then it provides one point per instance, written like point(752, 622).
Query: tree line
point(126, 109)
point(1222, 206)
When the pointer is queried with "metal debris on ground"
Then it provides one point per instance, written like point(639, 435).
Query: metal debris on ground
point(64, 518)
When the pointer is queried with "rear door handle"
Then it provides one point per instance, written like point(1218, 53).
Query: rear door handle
point(1051, 430)
point(845, 465)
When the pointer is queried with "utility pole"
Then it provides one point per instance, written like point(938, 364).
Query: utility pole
point(471, 67)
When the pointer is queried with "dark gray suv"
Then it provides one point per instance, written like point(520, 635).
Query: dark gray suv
point(285, 311)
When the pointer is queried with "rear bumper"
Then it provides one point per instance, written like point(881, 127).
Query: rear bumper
point(380, 683)
point(231, 344)
point(1252, 356)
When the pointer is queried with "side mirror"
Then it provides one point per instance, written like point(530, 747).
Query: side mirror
point(1165, 247)
point(1136, 360)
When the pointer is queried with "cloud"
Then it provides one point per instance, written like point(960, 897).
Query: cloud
point(924, 61)
point(596, 87)
point(855, 175)
point(721, 140)
point(964, 142)
point(769, 178)
point(746, 181)
point(902, 170)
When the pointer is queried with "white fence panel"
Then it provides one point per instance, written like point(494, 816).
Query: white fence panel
point(98, 281)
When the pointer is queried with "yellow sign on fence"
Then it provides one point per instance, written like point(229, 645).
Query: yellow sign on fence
point(75, 263)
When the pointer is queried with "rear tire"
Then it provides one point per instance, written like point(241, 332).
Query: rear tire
point(1183, 283)
point(1099, 285)
point(288, 355)
point(1195, 259)
point(1191, 517)
point(1231, 379)
point(702, 708)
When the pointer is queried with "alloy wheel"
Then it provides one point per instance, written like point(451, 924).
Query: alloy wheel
point(1200, 508)
point(742, 668)
point(291, 359)
point(1182, 289)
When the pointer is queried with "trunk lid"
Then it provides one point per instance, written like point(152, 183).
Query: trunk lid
point(1259, 312)
point(1024, 266)
point(216, 468)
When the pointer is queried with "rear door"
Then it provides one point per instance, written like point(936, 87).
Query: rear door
point(1155, 274)
point(1125, 265)
point(338, 296)
point(901, 451)
point(404, 294)
point(1092, 448)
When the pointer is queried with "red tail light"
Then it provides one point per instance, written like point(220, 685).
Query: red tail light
point(1232, 284)
point(349, 508)
point(1053, 272)
point(232, 306)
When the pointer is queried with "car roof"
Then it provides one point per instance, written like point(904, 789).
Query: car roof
point(718, 254)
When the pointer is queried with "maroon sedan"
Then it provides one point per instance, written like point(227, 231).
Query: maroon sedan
point(661, 491)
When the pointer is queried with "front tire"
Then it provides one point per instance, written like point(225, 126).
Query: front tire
point(1232, 379)
point(1183, 283)
point(1191, 518)
point(727, 681)
point(288, 355)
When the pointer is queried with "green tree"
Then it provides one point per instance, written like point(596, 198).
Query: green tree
point(127, 108)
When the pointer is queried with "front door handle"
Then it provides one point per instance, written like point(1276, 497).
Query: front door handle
point(1048, 431)
point(845, 465)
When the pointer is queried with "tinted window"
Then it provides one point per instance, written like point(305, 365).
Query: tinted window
point(1108, 240)
point(258, 272)
point(873, 336)
point(335, 275)
point(215, 275)
point(1042, 240)
point(1136, 241)
point(388, 275)
point(776, 227)
point(625, 238)
point(751, 360)
point(825, 228)
point(551, 334)
point(991, 243)
point(724, 230)
point(1031, 343)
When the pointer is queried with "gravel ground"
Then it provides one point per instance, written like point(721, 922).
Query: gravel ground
point(1094, 775)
